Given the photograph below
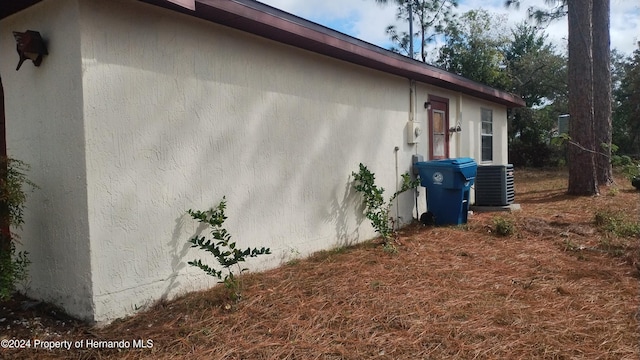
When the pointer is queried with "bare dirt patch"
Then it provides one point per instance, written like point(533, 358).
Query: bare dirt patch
point(559, 288)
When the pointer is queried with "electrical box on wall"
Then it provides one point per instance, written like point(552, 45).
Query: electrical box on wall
point(413, 132)
point(415, 159)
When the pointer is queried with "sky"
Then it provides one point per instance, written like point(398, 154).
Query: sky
point(367, 20)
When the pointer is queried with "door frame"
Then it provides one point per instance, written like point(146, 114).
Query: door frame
point(441, 104)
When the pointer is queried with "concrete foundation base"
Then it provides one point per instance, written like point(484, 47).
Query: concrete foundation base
point(511, 207)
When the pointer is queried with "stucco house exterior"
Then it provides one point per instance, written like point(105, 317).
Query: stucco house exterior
point(143, 109)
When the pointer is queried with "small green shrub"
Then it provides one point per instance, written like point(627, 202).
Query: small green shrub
point(222, 249)
point(390, 248)
point(621, 160)
point(571, 246)
point(13, 269)
point(630, 171)
point(629, 167)
point(503, 226)
point(13, 196)
point(376, 210)
point(616, 223)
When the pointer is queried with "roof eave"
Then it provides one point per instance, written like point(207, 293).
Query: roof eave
point(265, 21)
point(10, 7)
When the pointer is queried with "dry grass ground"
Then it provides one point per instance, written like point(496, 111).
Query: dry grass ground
point(561, 287)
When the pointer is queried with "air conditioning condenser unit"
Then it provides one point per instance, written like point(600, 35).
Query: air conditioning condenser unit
point(494, 185)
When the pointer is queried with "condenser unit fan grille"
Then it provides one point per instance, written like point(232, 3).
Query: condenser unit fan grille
point(494, 185)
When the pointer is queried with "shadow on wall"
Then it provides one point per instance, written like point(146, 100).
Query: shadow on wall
point(338, 215)
point(178, 164)
point(346, 233)
point(179, 252)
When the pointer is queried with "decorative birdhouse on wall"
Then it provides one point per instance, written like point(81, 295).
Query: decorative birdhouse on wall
point(30, 45)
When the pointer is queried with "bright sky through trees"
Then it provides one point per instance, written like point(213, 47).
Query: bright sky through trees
point(367, 21)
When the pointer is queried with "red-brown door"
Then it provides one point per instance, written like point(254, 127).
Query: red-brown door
point(438, 128)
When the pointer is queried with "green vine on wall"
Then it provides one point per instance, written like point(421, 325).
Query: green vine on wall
point(13, 196)
point(376, 209)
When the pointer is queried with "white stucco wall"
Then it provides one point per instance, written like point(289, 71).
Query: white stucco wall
point(147, 113)
point(466, 110)
point(185, 112)
point(44, 123)
point(472, 109)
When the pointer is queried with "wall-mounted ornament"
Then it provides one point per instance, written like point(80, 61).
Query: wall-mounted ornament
point(30, 45)
point(455, 129)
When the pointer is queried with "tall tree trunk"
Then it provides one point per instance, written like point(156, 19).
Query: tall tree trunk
point(582, 166)
point(602, 88)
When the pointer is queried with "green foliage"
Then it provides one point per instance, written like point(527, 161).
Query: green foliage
point(626, 165)
point(629, 167)
point(473, 48)
point(13, 190)
point(536, 155)
point(621, 160)
point(626, 93)
point(376, 209)
point(222, 248)
point(536, 71)
point(13, 195)
point(613, 191)
point(13, 269)
point(390, 248)
point(616, 223)
point(571, 246)
point(521, 61)
point(429, 18)
point(504, 226)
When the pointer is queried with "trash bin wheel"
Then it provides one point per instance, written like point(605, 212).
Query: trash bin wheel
point(428, 219)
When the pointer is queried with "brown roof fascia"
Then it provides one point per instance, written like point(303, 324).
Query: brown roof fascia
point(269, 22)
point(10, 7)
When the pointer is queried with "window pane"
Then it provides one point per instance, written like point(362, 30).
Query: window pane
point(487, 128)
point(438, 145)
point(487, 148)
point(438, 122)
point(487, 121)
point(487, 115)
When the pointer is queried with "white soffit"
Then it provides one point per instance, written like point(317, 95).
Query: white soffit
point(189, 4)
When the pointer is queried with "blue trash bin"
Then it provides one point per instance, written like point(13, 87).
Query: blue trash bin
point(448, 183)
